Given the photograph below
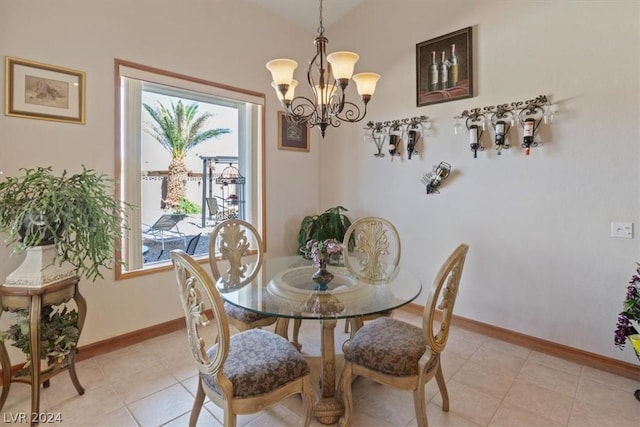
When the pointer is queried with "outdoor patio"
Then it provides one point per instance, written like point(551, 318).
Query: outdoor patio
point(190, 228)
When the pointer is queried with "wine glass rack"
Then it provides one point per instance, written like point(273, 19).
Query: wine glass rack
point(501, 118)
point(394, 132)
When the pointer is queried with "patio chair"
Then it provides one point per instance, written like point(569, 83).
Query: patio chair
point(166, 227)
point(193, 244)
point(215, 212)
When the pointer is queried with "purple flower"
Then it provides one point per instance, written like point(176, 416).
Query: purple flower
point(631, 313)
point(621, 332)
point(321, 250)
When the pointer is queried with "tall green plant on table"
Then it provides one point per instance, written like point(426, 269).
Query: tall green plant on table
point(331, 224)
point(179, 130)
point(79, 215)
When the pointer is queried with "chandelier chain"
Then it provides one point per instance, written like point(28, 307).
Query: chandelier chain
point(321, 27)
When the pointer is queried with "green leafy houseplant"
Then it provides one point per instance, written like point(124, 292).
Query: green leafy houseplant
point(58, 334)
point(78, 214)
point(331, 224)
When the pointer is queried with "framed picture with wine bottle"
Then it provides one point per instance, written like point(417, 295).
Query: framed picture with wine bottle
point(444, 68)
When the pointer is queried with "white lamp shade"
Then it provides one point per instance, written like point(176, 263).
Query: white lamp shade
point(282, 70)
point(366, 83)
point(290, 92)
point(342, 64)
point(324, 97)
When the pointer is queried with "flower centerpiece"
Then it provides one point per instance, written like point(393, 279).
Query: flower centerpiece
point(321, 251)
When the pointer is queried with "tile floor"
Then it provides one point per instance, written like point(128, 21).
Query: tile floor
point(490, 383)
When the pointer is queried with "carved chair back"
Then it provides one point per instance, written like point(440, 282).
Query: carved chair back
point(376, 253)
point(236, 244)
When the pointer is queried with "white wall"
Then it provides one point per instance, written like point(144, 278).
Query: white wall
point(541, 259)
point(218, 40)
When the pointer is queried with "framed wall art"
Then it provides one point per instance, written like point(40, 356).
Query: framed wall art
point(41, 91)
point(444, 68)
point(292, 136)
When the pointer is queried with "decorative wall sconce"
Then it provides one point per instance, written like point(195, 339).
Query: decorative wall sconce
point(395, 131)
point(529, 114)
point(433, 179)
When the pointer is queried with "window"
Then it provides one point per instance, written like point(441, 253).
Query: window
point(218, 178)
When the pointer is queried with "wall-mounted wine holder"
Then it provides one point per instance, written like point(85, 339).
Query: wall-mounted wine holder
point(528, 114)
point(433, 179)
point(395, 132)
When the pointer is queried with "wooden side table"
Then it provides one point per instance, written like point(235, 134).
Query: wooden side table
point(13, 298)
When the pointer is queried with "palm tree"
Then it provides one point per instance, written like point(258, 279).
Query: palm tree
point(179, 130)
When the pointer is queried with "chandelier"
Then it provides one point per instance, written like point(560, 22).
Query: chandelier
point(328, 76)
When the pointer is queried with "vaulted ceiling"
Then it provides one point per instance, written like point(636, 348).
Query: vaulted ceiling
point(305, 13)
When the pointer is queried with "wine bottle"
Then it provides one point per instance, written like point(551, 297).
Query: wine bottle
point(474, 140)
point(393, 145)
point(443, 72)
point(411, 142)
point(500, 124)
point(529, 127)
point(453, 67)
point(433, 73)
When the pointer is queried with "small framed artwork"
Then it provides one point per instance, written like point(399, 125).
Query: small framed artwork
point(444, 68)
point(41, 91)
point(292, 136)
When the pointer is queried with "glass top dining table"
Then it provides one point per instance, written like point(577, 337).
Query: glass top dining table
point(283, 287)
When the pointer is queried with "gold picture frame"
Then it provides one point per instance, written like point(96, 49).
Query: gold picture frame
point(293, 137)
point(42, 91)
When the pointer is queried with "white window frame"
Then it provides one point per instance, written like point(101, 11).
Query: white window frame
point(130, 79)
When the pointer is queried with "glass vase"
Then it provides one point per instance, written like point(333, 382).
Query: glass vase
point(322, 276)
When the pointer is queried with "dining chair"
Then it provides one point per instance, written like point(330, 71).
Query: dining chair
point(403, 356)
point(242, 373)
point(372, 258)
point(235, 243)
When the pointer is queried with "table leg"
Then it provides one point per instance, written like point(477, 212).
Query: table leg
point(6, 372)
point(81, 303)
point(34, 342)
point(328, 408)
point(282, 329)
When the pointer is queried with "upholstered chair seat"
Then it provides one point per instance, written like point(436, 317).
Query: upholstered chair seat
point(258, 362)
point(387, 345)
point(245, 317)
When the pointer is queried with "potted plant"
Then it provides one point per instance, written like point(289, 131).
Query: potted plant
point(78, 220)
point(331, 224)
point(59, 335)
point(629, 319)
point(77, 214)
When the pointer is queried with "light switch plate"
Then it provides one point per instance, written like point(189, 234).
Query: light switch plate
point(622, 230)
